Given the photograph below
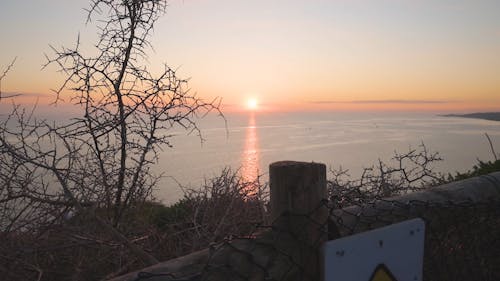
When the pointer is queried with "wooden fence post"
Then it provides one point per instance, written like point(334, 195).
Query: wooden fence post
point(297, 191)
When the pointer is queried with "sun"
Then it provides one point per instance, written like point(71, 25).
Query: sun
point(252, 104)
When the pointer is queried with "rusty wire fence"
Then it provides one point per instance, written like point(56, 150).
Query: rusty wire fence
point(462, 238)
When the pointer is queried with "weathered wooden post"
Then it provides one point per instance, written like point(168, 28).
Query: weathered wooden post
point(297, 193)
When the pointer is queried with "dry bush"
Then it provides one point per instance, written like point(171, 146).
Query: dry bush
point(96, 167)
point(223, 206)
point(75, 247)
point(409, 172)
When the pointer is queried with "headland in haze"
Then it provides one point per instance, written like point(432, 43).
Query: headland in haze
point(494, 116)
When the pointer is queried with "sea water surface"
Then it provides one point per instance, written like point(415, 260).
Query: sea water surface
point(251, 141)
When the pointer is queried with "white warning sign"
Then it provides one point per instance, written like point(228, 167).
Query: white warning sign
point(391, 253)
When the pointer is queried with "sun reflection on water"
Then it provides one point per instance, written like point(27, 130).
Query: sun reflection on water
point(250, 155)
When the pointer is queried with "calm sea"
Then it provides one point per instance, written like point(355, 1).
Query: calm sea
point(250, 142)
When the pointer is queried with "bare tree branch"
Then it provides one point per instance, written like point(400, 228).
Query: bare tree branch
point(100, 163)
point(491, 147)
point(3, 75)
point(411, 171)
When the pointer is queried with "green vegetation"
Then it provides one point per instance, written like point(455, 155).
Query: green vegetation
point(481, 168)
point(162, 216)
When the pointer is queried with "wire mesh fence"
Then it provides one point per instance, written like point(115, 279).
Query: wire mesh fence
point(461, 244)
point(461, 238)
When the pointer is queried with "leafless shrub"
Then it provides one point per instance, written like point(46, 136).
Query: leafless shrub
point(411, 171)
point(98, 165)
point(223, 206)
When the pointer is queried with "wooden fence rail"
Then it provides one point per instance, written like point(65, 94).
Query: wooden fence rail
point(472, 191)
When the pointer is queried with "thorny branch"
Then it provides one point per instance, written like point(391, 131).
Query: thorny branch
point(3, 75)
point(411, 171)
point(99, 163)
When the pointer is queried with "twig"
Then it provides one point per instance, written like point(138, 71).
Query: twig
point(491, 146)
point(5, 74)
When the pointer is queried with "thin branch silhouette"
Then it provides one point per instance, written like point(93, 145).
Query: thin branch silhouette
point(3, 75)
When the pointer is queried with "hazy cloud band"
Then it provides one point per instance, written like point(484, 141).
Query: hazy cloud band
point(384, 102)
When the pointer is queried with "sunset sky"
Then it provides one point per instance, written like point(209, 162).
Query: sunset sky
point(292, 54)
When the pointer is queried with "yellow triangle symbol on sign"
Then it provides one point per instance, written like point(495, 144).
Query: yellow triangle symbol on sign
point(382, 273)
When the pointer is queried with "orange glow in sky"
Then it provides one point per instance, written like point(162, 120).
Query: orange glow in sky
point(297, 54)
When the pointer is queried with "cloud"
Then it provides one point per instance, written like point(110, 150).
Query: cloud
point(384, 102)
point(6, 94)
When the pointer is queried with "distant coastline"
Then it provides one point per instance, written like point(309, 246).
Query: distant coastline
point(493, 116)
